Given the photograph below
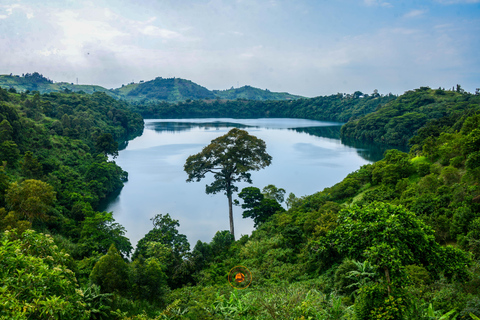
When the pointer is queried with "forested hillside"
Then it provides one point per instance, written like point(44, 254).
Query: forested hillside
point(55, 170)
point(398, 121)
point(171, 90)
point(156, 90)
point(338, 107)
point(37, 82)
point(251, 93)
point(397, 239)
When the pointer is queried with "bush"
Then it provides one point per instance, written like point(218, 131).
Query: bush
point(36, 280)
point(111, 272)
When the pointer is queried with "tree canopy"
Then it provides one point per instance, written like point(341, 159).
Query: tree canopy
point(230, 158)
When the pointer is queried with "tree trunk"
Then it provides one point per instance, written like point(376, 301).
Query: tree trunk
point(230, 214)
point(387, 275)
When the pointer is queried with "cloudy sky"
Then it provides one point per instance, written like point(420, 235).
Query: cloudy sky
point(305, 47)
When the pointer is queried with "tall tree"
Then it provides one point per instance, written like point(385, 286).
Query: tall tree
point(230, 158)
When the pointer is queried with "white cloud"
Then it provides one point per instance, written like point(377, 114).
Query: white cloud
point(414, 13)
point(161, 33)
point(9, 9)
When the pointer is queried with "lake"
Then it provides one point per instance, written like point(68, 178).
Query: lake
point(307, 157)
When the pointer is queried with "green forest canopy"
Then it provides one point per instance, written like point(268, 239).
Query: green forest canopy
point(63, 259)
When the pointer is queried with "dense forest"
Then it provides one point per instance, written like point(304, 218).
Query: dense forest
point(339, 107)
point(398, 121)
point(396, 239)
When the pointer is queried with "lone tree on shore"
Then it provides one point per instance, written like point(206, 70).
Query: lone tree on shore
point(230, 158)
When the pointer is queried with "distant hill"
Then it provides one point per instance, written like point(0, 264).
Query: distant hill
point(251, 93)
point(157, 90)
point(171, 90)
point(37, 82)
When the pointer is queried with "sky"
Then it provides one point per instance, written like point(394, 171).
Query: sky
point(304, 47)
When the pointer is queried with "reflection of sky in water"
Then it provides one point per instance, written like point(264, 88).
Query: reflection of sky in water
point(303, 163)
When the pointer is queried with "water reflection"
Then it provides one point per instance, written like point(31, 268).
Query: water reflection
point(307, 157)
point(331, 130)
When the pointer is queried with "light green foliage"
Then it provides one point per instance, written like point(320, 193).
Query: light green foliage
point(36, 280)
point(98, 304)
point(391, 237)
point(392, 168)
point(111, 272)
point(301, 300)
point(99, 232)
point(417, 275)
point(31, 199)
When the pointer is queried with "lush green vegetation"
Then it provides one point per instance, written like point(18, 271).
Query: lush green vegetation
point(171, 90)
point(55, 171)
point(159, 89)
point(397, 239)
point(37, 82)
point(338, 107)
point(396, 122)
point(251, 93)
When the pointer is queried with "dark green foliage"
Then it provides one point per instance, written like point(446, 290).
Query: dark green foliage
point(374, 303)
point(338, 107)
point(30, 167)
point(149, 279)
point(99, 232)
point(9, 152)
point(259, 208)
point(111, 272)
point(420, 110)
point(221, 242)
point(165, 232)
point(406, 220)
point(251, 93)
point(230, 158)
point(106, 145)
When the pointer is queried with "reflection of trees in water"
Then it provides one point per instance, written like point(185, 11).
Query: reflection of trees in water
point(332, 132)
point(367, 150)
point(370, 151)
point(187, 126)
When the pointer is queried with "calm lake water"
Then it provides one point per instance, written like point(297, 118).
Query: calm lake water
point(307, 157)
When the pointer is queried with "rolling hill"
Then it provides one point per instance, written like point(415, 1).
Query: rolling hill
point(251, 93)
point(156, 90)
